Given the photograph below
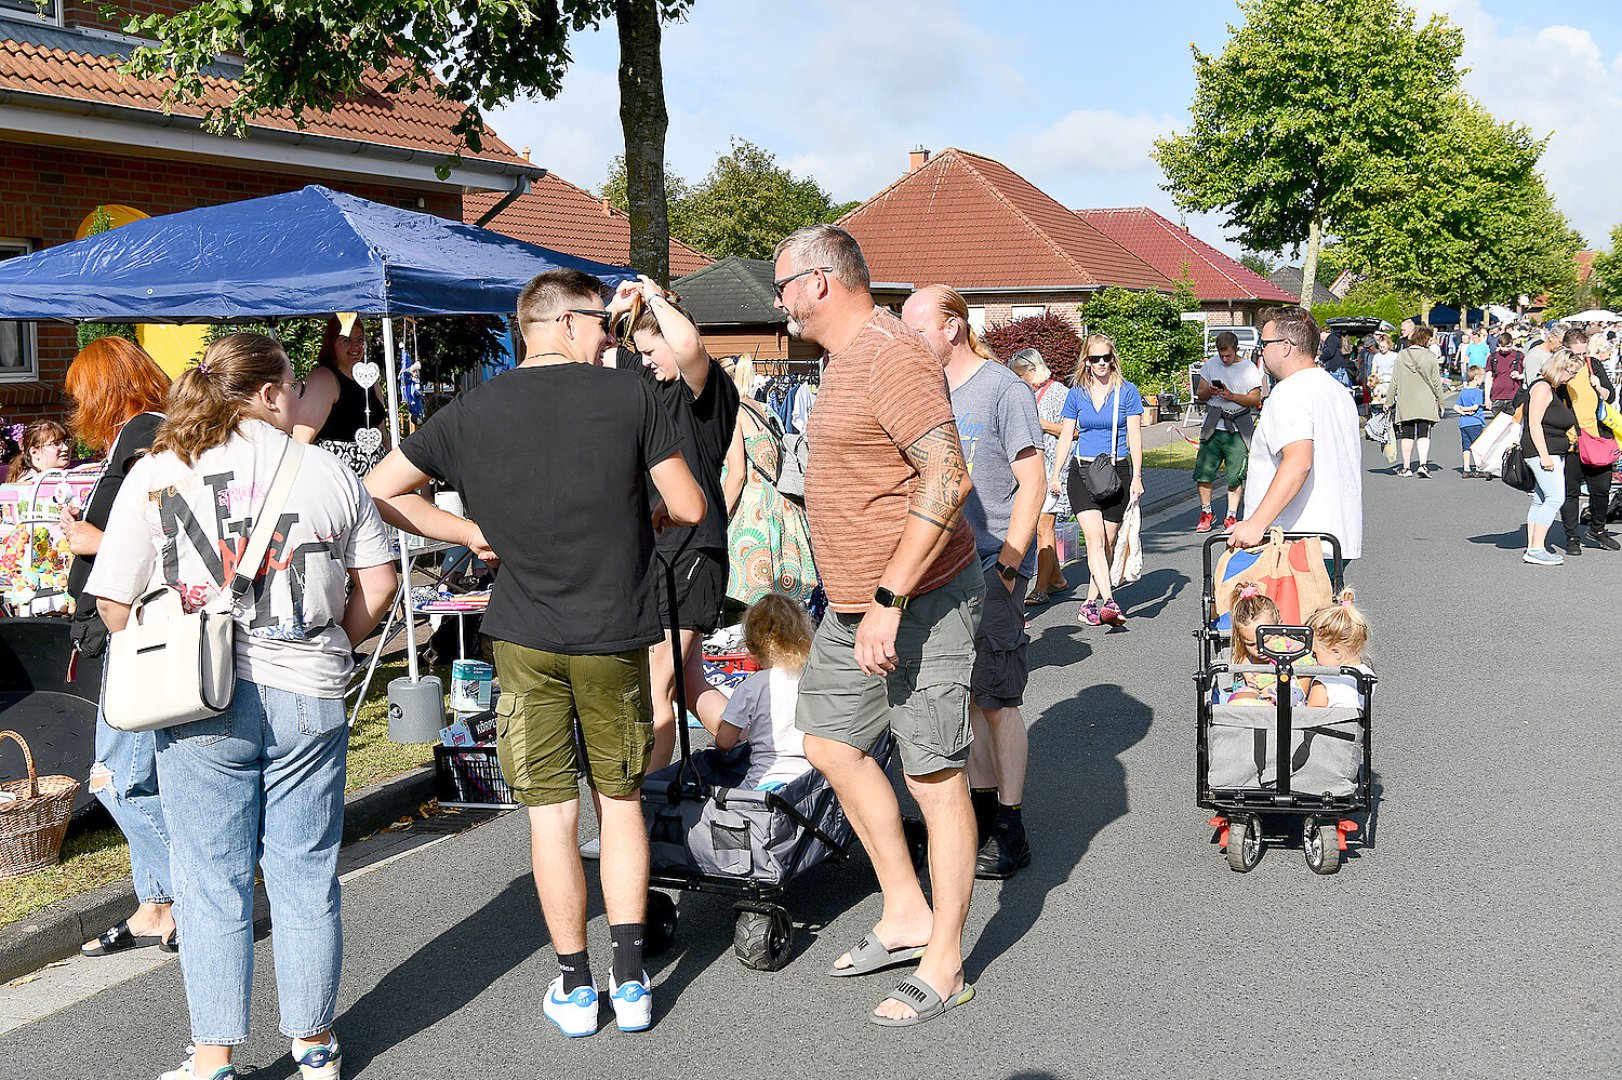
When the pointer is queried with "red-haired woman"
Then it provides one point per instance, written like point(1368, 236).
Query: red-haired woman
point(119, 395)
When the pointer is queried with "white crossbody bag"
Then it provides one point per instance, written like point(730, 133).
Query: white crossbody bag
point(166, 667)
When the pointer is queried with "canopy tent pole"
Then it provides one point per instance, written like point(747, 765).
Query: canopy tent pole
point(391, 377)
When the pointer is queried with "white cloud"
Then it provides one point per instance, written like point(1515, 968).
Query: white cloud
point(1556, 80)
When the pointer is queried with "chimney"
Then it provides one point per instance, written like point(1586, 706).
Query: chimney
point(608, 208)
point(525, 152)
point(917, 159)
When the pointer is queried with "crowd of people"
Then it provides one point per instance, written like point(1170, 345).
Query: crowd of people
point(651, 453)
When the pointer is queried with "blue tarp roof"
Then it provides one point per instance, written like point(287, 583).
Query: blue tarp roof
point(308, 252)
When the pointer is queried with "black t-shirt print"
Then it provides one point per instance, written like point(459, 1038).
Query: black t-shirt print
point(704, 427)
point(552, 462)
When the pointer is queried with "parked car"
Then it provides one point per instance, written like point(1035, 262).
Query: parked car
point(1249, 338)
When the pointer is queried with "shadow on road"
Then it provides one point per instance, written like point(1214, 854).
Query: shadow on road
point(1067, 803)
point(1514, 540)
point(1163, 586)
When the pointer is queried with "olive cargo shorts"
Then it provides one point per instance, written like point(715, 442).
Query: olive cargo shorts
point(541, 695)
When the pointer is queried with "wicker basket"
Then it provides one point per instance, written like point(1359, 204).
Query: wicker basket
point(34, 821)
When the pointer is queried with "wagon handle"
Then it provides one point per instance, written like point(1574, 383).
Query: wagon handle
point(28, 760)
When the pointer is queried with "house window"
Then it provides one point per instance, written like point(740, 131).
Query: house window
point(1027, 311)
point(977, 319)
point(27, 9)
point(19, 351)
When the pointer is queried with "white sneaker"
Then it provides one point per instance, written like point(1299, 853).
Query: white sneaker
point(186, 1072)
point(318, 1062)
point(576, 1014)
point(633, 1003)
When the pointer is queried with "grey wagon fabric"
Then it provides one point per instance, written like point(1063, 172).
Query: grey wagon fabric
point(1326, 754)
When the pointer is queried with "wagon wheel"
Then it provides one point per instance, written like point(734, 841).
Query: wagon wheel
point(661, 923)
point(1321, 843)
point(763, 940)
point(1244, 842)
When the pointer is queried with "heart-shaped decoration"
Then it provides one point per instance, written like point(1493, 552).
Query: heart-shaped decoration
point(369, 439)
point(365, 373)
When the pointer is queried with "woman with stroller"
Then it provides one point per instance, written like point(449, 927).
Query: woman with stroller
point(1101, 404)
point(263, 781)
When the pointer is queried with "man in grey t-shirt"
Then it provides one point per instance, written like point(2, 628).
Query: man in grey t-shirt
point(1002, 443)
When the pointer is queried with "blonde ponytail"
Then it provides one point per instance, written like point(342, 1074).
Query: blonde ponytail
point(209, 401)
point(951, 305)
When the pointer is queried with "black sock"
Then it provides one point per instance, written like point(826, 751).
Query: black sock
point(627, 941)
point(985, 811)
point(1010, 817)
point(576, 970)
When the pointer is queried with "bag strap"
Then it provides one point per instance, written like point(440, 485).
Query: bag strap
point(1114, 420)
point(1040, 394)
point(265, 527)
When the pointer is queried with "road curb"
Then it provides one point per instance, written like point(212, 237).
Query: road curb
point(56, 932)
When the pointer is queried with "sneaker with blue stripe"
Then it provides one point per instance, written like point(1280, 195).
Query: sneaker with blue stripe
point(633, 1003)
point(575, 1013)
point(318, 1062)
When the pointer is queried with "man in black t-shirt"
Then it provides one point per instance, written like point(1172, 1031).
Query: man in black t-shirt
point(553, 460)
point(703, 406)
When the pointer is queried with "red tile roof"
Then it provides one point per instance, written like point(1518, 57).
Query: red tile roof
point(971, 222)
point(75, 66)
point(565, 218)
point(1169, 248)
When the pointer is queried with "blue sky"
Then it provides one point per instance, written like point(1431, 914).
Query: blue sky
point(1070, 95)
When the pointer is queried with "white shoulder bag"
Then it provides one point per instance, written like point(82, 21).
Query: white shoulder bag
point(173, 668)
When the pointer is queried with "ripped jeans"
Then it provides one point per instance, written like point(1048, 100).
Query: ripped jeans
point(125, 779)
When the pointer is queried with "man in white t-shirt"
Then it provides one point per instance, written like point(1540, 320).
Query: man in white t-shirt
point(1306, 462)
point(1546, 343)
point(1231, 390)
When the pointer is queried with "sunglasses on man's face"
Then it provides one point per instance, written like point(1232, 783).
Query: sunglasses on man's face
point(602, 316)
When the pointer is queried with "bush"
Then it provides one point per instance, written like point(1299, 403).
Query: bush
point(1155, 344)
point(1047, 333)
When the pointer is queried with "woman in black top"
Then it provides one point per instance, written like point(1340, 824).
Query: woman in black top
point(119, 395)
point(337, 413)
point(1546, 436)
point(1587, 393)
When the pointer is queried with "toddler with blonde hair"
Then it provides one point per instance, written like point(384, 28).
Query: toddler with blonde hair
point(1340, 638)
point(777, 632)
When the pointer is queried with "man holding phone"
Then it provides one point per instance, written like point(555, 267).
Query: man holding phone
point(1231, 389)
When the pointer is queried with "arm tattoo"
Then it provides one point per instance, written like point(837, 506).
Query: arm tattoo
point(938, 457)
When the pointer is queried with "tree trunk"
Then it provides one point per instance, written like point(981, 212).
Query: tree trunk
point(1425, 305)
point(1309, 268)
point(644, 120)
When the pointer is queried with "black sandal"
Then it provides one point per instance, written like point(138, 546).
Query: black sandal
point(120, 939)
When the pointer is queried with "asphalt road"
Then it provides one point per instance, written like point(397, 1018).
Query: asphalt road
point(1477, 939)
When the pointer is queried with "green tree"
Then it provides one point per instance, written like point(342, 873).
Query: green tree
point(1606, 280)
point(100, 222)
point(304, 55)
point(1306, 97)
point(1470, 220)
point(1371, 299)
point(744, 206)
point(1257, 263)
point(1153, 340)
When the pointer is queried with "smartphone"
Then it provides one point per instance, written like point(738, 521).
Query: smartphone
point(1216, 384)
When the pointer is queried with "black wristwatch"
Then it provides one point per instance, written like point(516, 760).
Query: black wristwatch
point(1009, 573)
point(885, 598)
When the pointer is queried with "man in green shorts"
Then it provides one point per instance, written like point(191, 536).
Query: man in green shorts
point(1231, 389)
point(553, 460)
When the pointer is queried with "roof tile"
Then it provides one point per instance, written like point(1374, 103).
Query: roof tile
point(1004, 232)
point(419, 119)
point(1170, 249)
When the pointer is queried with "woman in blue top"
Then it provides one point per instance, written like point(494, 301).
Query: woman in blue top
point(1100, 403)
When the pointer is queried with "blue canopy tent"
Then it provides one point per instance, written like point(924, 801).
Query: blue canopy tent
point(303, 253)
point(1447, 315)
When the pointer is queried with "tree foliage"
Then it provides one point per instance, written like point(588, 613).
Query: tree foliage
point(304, 55)
point(1154, 342)
point(1049, 334)
point(1258, 263)
point(1606, 280)
point(100, 222)
point(1306, 98)
point(1470, 220)
point(744, 206)
point(1373, 298)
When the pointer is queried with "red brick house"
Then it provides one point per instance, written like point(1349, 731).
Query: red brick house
point(1011, 249)
point(558, 215)
point(1229, 294)
point(74, 135)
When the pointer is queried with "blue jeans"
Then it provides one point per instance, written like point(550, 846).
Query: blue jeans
point(130, 794)
point(1550, 492)
point(263, 784)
